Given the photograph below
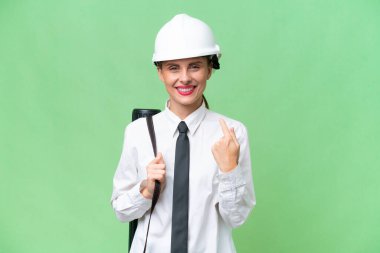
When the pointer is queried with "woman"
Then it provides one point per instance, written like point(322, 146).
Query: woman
point(207, 189)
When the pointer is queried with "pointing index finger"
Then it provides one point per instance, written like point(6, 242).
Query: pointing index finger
point(224, 126)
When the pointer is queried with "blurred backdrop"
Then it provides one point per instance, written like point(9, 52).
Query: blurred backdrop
point(302, 75)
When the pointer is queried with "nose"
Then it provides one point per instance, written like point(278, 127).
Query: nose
point(184, 77)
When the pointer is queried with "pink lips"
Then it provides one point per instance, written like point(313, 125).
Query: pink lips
point(185, 90)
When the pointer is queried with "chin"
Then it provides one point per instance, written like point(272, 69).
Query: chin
point(188, 101)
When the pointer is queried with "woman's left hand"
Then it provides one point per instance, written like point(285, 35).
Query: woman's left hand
point(226, 150)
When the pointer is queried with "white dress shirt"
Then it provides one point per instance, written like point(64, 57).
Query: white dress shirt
point(218, 201)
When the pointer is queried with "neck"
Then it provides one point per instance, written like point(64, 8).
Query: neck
point(182, 111)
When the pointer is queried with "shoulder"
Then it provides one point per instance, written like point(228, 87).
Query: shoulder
point(139, 127)
point(212, 118)
point(135, 126)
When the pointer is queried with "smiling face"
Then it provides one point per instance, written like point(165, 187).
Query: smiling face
point(185, 81)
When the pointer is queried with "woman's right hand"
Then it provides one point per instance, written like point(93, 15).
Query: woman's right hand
point(156, 170)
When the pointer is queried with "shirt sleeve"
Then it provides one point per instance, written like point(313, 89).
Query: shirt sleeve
point(236, 192)
point(127, 201)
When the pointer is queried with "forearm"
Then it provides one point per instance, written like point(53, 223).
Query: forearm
point(131, 204)
point(236, 197)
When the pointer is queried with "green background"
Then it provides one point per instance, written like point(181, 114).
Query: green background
point(302, 75)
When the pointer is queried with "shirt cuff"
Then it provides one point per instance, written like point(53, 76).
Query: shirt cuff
point(231, 180)
point(138, 199)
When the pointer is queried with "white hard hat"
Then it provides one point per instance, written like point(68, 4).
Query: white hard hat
point(184, 37)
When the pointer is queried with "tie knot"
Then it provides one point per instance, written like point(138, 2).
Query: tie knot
point(182, 127)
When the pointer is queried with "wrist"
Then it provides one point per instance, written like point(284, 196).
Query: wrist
point(228, 167)
point(144, 190)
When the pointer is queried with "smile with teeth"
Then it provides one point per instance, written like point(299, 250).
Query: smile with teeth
point(185, 90)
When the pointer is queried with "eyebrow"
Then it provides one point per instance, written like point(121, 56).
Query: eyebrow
point(197, 62)
point(176, 64)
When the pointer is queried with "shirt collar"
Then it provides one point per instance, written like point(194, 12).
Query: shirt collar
point(192, 121)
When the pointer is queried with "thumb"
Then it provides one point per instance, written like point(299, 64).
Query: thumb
point(159, 158)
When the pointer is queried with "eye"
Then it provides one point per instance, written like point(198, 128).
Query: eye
point(194, 66)
point(173, 68)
